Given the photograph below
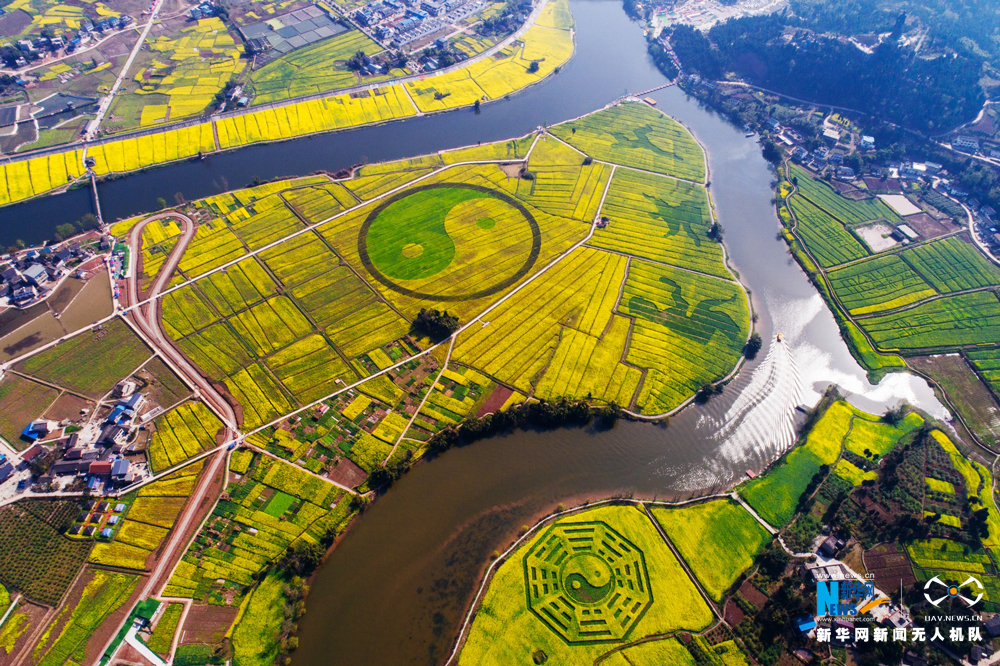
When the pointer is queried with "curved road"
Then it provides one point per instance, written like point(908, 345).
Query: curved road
point(144, 318)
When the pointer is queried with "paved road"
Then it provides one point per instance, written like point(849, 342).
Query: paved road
point(145, 319)
point(105, 104)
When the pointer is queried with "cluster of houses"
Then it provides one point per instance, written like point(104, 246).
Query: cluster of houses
point(29, 277)
point(99, 463)
point(393, 22)
point(33, 48)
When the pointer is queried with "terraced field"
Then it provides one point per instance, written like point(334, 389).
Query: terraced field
point(826, 238)
point(965, 319)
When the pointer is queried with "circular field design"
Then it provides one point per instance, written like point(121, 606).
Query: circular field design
point(449, 242)
point(587, 582)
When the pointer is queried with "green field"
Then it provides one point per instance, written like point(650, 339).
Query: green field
point(775, 495)
point(21, 402)
point(846, 210)
point(163, 635)
point(660, 219)
point(825, 237)
point(950, 555)
point(882, 283)
point(315, 68)
point(952, 264)
point(718, 540)
point(987, 362)
point(636, 135)
point(534, 605)
point(869, 436)
point(963, 319)
point(92, 362)
point(687, 330)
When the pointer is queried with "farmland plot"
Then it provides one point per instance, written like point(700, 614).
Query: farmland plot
point(182, 433)
point(881, 283)
point(848, 211)
point(635, 135)
point(687, 331)
point(824, 236)
point(965, 319)
point(952, 264)
point(660, 219)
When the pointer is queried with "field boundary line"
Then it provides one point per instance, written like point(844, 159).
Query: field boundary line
point(402, 435)
point(680, 560)
point(731, 280)
point(552, 517)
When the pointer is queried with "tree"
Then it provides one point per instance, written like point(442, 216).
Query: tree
point(533, 67)
point(753, 346)
point(715, 232)
point(302, 559)
point(435, 324)
point(161, 203)
point(771, 152)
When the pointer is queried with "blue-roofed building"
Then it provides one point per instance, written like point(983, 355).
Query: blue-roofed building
point(106, 533)
point(36, 429)
point(6, 470)
point(119, 507)
point(113, 520)
point(805, 623)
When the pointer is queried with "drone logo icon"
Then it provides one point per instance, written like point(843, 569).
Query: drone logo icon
point(954, 591)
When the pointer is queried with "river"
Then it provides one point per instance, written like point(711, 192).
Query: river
point(394, 590)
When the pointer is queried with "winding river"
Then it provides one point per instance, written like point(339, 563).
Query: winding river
point(395, 589)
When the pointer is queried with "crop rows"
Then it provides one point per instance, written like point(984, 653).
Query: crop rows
point(270, 325)
point(660, 219)
point(28, 178)
point(881, 283)
point(182, 433)
point(635, 135)
point(367, 187)
point(267, 220)
point(987, 362)
point(824, 236)
point(155, 148)
point(309, 368)
point(318, 115)
point(213, 245)
point(877, 437)
point(846, 210)
point(948, 554)
point(238, 287)
point(952, 264)
point(579, 292)
point(317, 68)
point(340, 303)
point(513, 149)
point(261, 397)
point(320, 202)
point(688, 330)
point(965, 319)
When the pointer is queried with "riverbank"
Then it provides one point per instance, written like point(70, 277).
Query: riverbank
point(546, 35)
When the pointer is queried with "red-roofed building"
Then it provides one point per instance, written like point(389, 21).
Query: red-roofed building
point(33, 452)
point(100, 468)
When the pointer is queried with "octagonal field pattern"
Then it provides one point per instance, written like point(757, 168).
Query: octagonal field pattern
point(587, 583)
